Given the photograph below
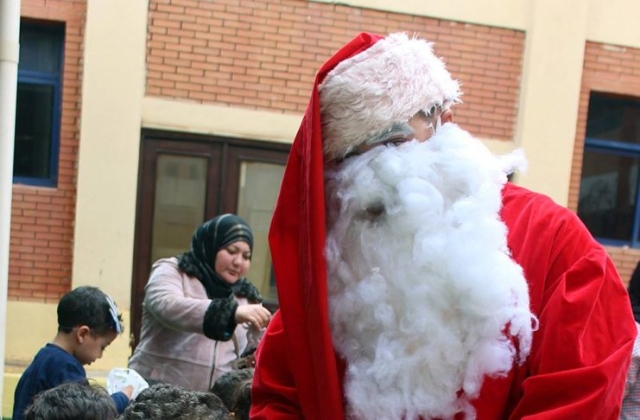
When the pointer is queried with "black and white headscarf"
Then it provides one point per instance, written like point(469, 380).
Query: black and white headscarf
point(207, 240)
point(219, 319)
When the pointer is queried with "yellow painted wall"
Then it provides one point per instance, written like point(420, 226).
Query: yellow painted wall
point(614, 22)
point(219, 120)
point(112, 91)
point(550, 93)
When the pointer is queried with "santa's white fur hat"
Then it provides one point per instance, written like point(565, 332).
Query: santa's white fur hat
point(388, 83)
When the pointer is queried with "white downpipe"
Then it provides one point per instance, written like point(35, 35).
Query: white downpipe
point(9, 54)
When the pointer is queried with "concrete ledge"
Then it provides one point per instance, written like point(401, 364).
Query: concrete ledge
point(10, 382)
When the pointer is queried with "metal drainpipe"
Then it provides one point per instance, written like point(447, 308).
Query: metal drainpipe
point(9, 54)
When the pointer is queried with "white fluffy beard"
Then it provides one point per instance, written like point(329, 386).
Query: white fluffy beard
point(425, 300)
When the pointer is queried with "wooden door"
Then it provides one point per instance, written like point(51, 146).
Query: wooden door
point(185, 179)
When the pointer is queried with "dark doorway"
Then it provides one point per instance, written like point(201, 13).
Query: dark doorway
point(185, 179)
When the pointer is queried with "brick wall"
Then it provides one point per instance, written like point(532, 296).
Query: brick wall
point(263, 54)
point(42, 218)
point(625, 259)
point(612, 69)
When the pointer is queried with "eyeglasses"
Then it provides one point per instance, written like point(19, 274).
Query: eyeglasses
point(433, 118)
point(404, 132)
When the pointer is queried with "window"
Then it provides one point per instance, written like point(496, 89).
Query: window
point(608, 200)
point(37, 133)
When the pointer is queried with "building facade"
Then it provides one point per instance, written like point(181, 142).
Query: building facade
point(137, 120)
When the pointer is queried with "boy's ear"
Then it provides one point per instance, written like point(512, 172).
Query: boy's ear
point(82, 332)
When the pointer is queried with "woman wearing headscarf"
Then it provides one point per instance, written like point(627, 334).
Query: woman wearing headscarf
point(200, 313)
point(631, 401)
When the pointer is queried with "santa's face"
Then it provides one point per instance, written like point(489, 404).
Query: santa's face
point(423, 294)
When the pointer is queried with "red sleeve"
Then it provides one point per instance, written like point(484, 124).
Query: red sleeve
point(273, 393)
point(581, 352)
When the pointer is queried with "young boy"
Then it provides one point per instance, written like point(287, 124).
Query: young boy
point(88, 321)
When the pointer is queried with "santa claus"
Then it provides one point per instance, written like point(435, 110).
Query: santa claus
point(414, 281)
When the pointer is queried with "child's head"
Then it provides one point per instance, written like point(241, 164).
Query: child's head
point(228, 387)
point(90, 320)
point(243, 400)
point(72, 401)
point(172, 402)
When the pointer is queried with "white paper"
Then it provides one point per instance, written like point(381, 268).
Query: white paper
point(119, 378)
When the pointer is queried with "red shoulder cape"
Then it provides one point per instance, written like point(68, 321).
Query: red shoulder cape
point(297, 240)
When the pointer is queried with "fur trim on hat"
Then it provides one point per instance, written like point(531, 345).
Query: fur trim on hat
point(388, 83)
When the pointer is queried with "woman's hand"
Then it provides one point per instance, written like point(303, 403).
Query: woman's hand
point(257, 316)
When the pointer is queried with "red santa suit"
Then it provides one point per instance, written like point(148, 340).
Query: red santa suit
point(580, 352)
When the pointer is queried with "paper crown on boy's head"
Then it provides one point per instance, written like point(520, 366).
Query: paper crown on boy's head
point(389, 82)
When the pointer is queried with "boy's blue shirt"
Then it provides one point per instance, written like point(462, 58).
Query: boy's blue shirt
point(51, 367)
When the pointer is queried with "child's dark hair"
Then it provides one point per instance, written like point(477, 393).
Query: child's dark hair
point(72, 401)
point(228, 387)
point(172, 402)
point(90, 306)
point(243, 400)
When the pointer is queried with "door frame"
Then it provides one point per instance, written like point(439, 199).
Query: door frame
point(221, 194)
